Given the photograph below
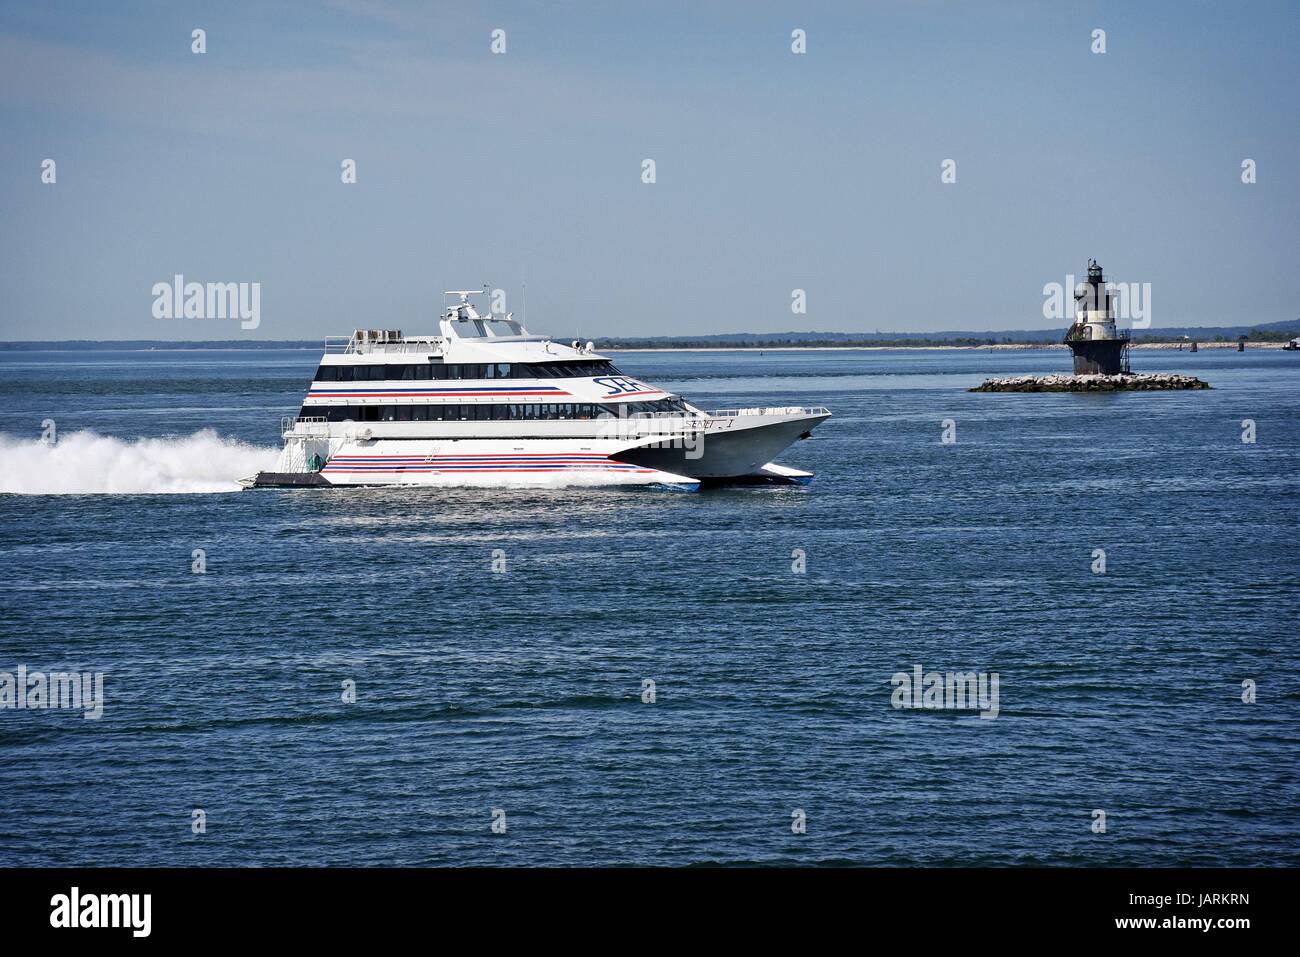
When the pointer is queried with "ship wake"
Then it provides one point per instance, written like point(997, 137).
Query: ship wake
point(86, 463)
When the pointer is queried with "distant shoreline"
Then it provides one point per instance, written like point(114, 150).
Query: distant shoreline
point(10, 348)
point(311, 345)
point(992, 347)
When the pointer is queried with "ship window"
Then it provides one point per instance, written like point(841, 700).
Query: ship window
point(326, 374)
point(343, 373)
point(551, 370)
point(408, 371)
point(419, 413)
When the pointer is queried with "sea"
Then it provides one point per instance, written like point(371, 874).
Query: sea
point(607, 677)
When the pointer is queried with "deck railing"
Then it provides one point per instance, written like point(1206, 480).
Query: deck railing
point(774, 410)
point(303, 425)
point(351, 345)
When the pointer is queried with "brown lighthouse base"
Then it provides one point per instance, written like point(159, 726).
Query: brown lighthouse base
point(1099, 356)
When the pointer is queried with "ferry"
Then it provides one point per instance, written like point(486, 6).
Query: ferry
point(485, 403)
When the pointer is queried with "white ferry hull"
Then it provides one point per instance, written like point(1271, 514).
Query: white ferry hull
point(731, 448)
point(720, 449)
point(469, 463)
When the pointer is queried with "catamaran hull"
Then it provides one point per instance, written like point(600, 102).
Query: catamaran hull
point(731, 449)
point(723, 450)
point(522, 478)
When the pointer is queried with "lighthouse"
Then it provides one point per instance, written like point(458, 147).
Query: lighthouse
point(1098, 347)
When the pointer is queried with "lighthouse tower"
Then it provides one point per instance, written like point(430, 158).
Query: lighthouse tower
point(1098, 347)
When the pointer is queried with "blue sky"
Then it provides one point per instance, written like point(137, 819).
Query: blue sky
point(775, 171)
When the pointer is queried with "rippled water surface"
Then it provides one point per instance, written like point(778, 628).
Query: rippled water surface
point(522, 691)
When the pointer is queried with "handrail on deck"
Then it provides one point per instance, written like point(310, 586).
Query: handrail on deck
point(351, 345)
point(771, 410)
point(289, 424)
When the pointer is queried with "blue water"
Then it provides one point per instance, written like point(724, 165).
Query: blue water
point(522, 691)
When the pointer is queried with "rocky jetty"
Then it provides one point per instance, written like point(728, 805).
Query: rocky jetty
point(1144, 381)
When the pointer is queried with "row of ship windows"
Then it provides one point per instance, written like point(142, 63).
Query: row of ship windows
point(484, 411)
point(457, 370)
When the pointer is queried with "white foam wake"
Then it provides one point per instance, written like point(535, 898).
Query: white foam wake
point(84, 463)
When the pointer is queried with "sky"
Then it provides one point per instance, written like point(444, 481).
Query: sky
point(774, 171)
